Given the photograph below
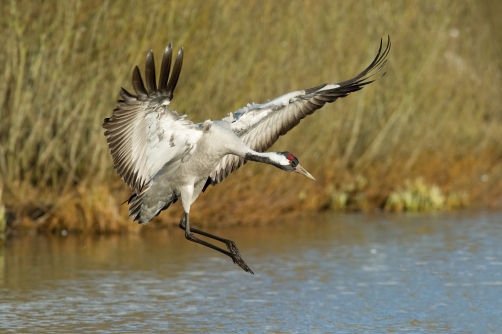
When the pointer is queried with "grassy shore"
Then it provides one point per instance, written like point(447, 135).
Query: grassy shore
point(430, 129)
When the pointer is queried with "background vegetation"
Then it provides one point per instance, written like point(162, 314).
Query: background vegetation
point(436, 117)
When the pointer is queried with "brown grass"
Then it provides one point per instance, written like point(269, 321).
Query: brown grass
point(436, 114)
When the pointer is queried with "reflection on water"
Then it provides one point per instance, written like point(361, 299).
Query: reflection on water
point(342, 273)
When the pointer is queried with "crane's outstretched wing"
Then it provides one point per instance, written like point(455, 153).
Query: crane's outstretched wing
point(143, 134)
point(260, 125)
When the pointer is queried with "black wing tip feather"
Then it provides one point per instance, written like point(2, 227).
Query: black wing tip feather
point(346, 87)
point(166, 84)
point(165, 67)
point(361, 79)
point(150, 73)
point(173, 80)
point(137, 83)
point(314, 89)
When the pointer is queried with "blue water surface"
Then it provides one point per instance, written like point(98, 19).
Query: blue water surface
point(356, 273)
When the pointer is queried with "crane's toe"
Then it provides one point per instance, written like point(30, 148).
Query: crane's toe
point(240, 262)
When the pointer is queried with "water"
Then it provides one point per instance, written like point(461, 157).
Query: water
point(338, 273)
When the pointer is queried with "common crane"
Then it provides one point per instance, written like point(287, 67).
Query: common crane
point(164, 157)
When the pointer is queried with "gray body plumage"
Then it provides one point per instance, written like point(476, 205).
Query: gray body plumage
point(188, 177)
point(164, 157)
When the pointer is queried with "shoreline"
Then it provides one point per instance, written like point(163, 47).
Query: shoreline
point(266, 195)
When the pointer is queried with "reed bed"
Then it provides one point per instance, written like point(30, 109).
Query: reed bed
point(436, 115)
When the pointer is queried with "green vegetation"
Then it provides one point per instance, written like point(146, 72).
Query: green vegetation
point(436, 114)
point(418, 196)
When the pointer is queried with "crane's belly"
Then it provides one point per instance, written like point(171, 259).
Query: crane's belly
point(197, 169)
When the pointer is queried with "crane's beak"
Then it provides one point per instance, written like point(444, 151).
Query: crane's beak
point(300, 170)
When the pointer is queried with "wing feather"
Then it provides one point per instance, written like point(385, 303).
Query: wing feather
point(165, 68)
point(143, 135)
point(150, 73)
point(137, 83)
point(173, 80)
point(260, 125)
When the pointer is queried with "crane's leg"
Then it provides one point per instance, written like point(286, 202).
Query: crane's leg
point(233, 251)
point(231, 246)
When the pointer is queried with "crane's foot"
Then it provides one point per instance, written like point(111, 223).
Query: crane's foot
point(233, 252)
point(240, 262)
point(235, 257)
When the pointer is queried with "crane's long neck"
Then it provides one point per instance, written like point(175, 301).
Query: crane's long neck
point(282, 160)
point(271, 158)
point(242, 150)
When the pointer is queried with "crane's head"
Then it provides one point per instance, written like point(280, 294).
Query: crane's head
point(289, 163)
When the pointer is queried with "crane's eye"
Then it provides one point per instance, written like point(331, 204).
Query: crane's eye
point(293, 161)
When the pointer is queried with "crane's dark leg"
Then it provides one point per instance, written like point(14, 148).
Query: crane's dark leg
point(231, 246)
point(233, 251)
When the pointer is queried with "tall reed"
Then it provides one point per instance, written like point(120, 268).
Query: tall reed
point(436, 114)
